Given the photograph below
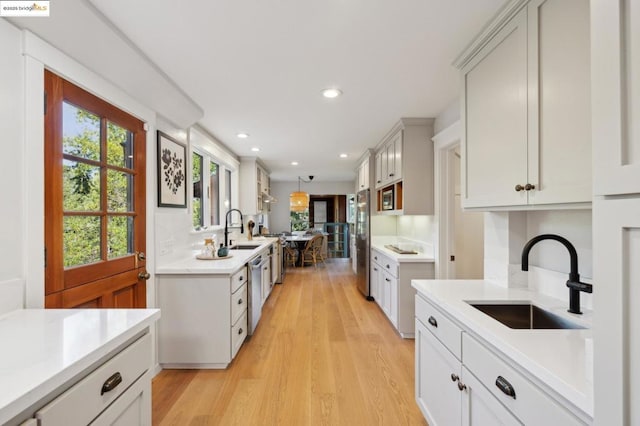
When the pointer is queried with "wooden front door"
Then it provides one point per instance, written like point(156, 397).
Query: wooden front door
point(94, 201)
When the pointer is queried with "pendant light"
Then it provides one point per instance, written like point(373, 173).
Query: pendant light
point(299, 200)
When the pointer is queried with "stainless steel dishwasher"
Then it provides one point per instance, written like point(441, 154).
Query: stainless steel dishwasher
point(255, 291)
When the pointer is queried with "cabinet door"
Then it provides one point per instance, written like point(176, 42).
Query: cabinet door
point(559, 142)
point(391, 291)
point(615, 85)
point(378, 169)
point(616, 322)
point(132, 408)
point(365, 174)
point(437, 395)
point(266, 281)
point(397, 156)
point(479, 407)
point(374, 283)
point(494, 144)
point(385, 282)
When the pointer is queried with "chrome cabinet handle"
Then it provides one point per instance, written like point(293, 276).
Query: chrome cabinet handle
point(519, 188)
point(461, 386)
point(387, 280)
point(454, 377)
point(391, 174)
point(144, 275)
point(239, 301)
point(240, 331)
point(506, 387)
point(111, 383)
point(141, 256)
point(529, 187)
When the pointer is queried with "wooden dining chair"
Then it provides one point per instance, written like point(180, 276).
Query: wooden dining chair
point(290, 254)
point(312, 251)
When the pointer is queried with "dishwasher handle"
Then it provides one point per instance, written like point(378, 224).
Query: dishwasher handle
point(259, 263)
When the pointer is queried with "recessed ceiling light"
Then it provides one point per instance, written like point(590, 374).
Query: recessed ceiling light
point(294, 163)
point(331, 93)
point(243, 135)
point(255, 149)
point(343, 155)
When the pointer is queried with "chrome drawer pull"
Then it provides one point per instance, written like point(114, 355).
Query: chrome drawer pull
point(111, 383)
point(505, 387)
point(240, 331)
point(239, 301)
point(454, 377)
point(433, 322)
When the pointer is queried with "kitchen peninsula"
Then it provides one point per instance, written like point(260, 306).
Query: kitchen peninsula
point(209, 307)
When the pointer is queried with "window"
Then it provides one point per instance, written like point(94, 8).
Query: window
point(207, 195)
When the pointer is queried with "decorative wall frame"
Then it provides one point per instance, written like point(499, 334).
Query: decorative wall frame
point(172, 172)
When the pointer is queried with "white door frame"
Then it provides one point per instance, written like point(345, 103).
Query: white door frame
point(443, 142)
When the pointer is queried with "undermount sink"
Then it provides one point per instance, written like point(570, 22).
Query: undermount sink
point(524, 316)
point(244, 247)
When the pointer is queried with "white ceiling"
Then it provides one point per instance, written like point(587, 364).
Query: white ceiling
point(259, 66)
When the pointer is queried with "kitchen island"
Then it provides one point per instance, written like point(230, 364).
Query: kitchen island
point(53, 355)
point(463, 353)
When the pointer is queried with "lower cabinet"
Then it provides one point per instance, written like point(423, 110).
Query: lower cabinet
point(390, 283)
point(116, 393)
point(460, 381)
point(204, 319)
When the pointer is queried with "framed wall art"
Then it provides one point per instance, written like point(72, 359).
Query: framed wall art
point(172, 172)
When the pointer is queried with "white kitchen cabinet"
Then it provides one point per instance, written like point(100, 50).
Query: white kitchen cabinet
point(457, 379)
point(120, 389)
point(404, 165)
point(363, 175)
point(526, 108)
point(267, 283)
point(395, 296)
point(204, 318)
point(374, 284)
point(615, 68)
point(255, 186)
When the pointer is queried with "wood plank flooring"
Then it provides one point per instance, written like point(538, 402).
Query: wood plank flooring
point(321, 355)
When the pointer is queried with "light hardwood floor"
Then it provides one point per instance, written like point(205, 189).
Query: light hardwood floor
point(321, 355)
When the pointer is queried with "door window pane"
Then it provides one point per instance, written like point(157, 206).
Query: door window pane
point(81, 240)
point(119, 236)
point(81, 186)
point(80, 132)
point(119, 191)
point(119, 146)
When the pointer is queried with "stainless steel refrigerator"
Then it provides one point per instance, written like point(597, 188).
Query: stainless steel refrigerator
point(363, 234)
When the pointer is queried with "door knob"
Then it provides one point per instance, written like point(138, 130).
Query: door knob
point(144, 275)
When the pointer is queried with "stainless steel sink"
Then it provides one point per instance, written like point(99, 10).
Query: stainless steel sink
point(244, 247)
point(524, 316)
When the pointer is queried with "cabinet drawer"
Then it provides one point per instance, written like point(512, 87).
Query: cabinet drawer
point(238, 334)
point(441, 327)
point(529, 403)
point(238, 303)
point(386, 263)
point(88, 398)
point(238, 279)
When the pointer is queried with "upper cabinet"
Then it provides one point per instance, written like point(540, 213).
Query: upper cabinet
point(526, 108)
point(404, 169)
point(616, 97)
point(254, 186)
point(363, 172)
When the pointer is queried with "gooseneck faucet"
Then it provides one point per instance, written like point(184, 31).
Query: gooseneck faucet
point(574, 284)
point(226, 225)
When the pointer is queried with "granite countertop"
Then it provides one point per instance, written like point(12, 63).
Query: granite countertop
point(561, 360)
point(45, 348)
point(188, 264)
point(424, 255)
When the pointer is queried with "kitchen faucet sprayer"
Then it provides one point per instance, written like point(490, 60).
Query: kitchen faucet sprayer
point(226, 225)
point(574, 284)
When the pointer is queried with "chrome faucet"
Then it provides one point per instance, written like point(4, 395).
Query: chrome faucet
point(226, 225)
point(574, 284)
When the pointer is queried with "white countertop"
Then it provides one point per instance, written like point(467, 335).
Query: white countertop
point(44, 348)
point(425, 251)
point(559, 359)
point(188, 264)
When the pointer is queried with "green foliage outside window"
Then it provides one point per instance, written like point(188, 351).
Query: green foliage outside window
point(299, 220)
point(82, 188)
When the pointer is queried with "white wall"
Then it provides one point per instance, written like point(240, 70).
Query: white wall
point(420, 228)
point(13, 223)
point(279, 217)
point(446, 118)
point(506, 233)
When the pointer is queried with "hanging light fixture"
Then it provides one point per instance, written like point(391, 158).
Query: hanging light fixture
point(299, 200)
